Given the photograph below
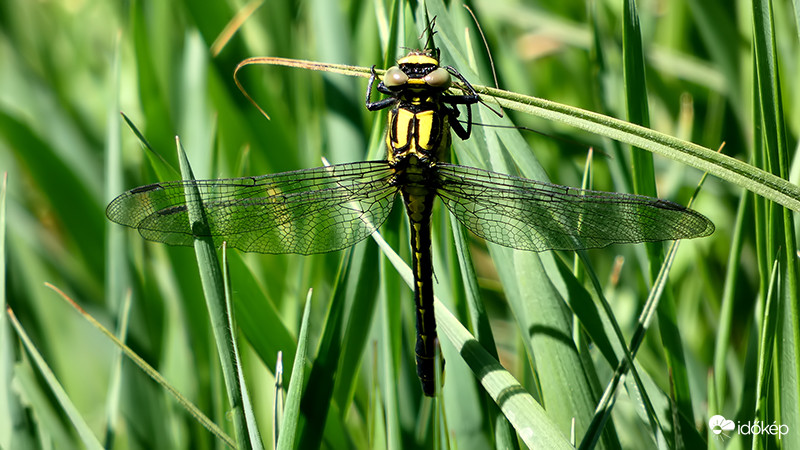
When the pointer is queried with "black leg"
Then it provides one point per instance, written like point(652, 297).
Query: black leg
point(455, 125)
point(380, 104)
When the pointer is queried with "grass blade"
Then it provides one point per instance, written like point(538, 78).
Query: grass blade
point(644, 183)
point(214, 290)
point(88, 438)
point(247, 406)
point(151, 372)
point(782, 238)
point(13, 434)
point(291, 412)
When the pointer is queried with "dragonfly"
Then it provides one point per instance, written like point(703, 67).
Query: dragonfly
point(331, 208)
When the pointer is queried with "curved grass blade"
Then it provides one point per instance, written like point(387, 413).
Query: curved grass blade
point(151, 372)
point(719, 165)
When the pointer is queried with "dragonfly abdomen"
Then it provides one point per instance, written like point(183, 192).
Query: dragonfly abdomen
point(419, 214)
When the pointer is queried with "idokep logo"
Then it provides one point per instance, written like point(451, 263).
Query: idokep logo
point(719, 425)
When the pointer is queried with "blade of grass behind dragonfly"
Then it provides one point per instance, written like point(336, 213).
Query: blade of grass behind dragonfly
point(479, 321)
point(722, 343)
point(605, 95)
point(782, 243)
point(60, 184)
point(197, 122)
point(526, 276)
point(614, 350)
point(532, 423)
point(118, 285)
point(291, 412)
point(344, 141)
point(341, 119)
point(643, 175)
point(361, 288)
point(257, 315)
point(254, 436)
point(139, 396)
point(605, 406)
point(317, 406)
point(151, 61)
point(214, 290)
point(767, 334)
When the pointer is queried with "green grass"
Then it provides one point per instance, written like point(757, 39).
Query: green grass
point(719, 335)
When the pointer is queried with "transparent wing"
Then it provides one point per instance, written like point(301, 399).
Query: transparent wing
point(531, 215)
point(305, 211)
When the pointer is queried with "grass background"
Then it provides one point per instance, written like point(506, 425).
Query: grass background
point(725, 338)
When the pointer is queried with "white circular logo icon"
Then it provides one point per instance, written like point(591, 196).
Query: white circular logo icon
point(717, 424)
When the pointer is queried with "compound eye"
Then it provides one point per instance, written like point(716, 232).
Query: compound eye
point(438, 78)
point(394, 77)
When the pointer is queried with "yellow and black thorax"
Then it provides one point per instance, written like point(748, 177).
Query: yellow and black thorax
point(423, 112)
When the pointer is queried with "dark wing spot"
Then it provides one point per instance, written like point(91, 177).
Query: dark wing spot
point(172, 210)
point(148, 188)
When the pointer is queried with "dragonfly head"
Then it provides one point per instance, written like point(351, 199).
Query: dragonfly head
point(419, 70)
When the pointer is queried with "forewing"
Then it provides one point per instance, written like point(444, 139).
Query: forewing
point(531, 215)
point(306, 211)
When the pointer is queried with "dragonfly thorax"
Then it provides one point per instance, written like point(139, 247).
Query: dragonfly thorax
point(420, 132)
